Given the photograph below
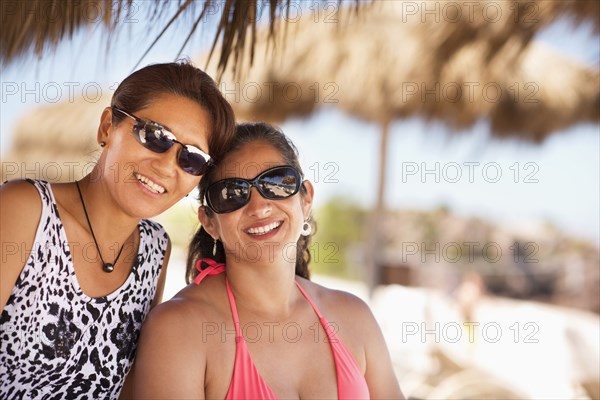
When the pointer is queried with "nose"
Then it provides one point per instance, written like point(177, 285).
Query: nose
point(165, 164)
point(258, 206)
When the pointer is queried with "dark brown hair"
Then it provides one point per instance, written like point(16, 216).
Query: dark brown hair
point(202, 243)
point(180, 78)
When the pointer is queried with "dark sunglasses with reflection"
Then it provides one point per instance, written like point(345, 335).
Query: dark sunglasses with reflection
point(228, 195)
point(159, 139)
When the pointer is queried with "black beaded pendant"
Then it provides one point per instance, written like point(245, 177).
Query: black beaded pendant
point(108, 267)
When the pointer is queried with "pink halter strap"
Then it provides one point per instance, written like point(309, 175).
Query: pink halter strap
point(213, 268)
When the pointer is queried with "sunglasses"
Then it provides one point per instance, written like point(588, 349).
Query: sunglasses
point(231, 194)
point(159, 139)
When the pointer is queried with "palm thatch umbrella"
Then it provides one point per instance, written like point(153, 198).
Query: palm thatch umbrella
point(39, 25)
point(378, 69)
point(55, 142)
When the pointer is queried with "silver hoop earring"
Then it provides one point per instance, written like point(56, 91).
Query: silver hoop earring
point(102, 144)
point(215, 247)
point(306, 228)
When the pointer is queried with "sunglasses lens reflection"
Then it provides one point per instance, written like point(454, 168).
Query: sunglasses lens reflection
point(192, 163)
point(278, 184)
point(228, 195)
point(231, 194)
point(155, 139)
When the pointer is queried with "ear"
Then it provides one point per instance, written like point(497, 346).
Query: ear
point(208, 223)
point(105, 127)
point(307, 198)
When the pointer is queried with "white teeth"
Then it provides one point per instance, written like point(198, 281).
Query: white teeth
point(152, 186)
point(261, 230)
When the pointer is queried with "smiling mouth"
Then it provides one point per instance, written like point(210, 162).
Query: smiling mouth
point(149, 184)
point(261, 230)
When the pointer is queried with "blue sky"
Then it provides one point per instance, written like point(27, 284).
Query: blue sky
point(557, 181)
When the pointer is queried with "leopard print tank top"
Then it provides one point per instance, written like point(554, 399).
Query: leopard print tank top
point(58, 343)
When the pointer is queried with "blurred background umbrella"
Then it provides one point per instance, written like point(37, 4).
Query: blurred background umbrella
point(55, 141)
point(381, 65)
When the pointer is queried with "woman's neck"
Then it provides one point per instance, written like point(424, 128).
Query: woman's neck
point(109, 223)
point(266, 289)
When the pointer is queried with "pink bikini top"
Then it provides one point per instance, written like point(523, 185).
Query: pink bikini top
point(247, 383)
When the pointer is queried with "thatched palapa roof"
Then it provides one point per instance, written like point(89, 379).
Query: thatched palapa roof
point(383, 64)
point(37, 26)
point(55, 142)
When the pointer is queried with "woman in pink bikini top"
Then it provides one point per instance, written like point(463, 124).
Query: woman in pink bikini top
point(251, 325)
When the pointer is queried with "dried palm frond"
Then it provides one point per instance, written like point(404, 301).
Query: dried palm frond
point(37, 26)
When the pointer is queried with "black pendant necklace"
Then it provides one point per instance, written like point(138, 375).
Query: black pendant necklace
point(106, 267)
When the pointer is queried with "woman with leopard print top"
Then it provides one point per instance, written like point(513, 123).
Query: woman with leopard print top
point(89, 265)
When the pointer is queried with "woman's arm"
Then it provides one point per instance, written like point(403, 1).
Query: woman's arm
point(20, 210)
point(363, 333)
point(160, 286)
point(170, 361)
point(127, 391)
point(379, 373)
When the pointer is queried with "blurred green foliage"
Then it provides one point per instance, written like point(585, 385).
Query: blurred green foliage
point(341, 227)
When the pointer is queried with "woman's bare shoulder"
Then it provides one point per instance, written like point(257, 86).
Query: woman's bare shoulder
point(172, 337)
point(20, 197)
point(191, 306)
point(338, 302)
point(332, 295)
point(20, 210)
